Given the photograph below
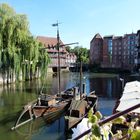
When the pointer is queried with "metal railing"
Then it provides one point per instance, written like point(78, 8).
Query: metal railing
point(110, 118)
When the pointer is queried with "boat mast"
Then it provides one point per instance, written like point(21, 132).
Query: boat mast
point(80, 79)
point(58, 45)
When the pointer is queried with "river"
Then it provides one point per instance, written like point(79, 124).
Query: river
point(14, 96)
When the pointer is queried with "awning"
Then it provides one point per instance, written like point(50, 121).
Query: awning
point(130, 96)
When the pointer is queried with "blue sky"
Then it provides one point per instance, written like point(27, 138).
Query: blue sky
point(80, 19)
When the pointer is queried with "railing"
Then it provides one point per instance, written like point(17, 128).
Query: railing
point(110, 118)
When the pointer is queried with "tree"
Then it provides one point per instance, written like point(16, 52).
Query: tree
point(20, 52)
point(81, 53)
point(68, 49)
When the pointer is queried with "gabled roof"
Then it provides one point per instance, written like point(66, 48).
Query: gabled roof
point(48, 41)
point(97, 36)
point(138, 32)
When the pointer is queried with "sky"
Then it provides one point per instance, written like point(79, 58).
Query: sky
point(79, 20)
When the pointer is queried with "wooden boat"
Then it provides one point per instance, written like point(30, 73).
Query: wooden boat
point(69, 93)
point(126, 115)
point(45, 106)
point(79, 109)
point(48, 107)
point(80, 105)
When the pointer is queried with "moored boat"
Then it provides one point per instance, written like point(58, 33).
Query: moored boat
point(79, 109)
point(49, 108)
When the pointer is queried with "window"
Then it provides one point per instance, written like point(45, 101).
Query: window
point(110, 46)
point(119, 52)
point(132, 42)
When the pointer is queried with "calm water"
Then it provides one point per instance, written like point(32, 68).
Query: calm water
point(15, 96)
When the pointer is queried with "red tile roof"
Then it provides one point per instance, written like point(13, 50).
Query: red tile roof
point(48, 41)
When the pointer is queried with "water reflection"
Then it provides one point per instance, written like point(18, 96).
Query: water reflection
point(14, 96)
point(38, 130)
point(106, 87)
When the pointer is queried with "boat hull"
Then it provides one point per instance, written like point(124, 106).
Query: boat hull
point(79, 109)
point(50, 114)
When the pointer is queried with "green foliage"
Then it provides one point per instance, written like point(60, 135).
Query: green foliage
point(81, 53)
point(98, 114)
point(119, 120)
point(20, 52)
point(93, 119)
point(95, 138)
point(135, 135)
point(68, 49)
point(96, 134)
point(103, 131)
point(96, 130)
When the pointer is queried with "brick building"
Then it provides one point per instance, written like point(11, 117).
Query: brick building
point(96, 47)
point(137, 56)
point(128, 50)
point(51, 47)
point(107, 51)
point(117, 51)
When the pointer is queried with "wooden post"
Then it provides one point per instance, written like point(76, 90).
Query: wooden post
point(80, 79)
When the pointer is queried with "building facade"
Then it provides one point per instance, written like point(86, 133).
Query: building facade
point(71, 59)
point(117, 51)
point(128, 50)
point(137, 56)
point(96, 49)
point(50, 44)
point(107, 51)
